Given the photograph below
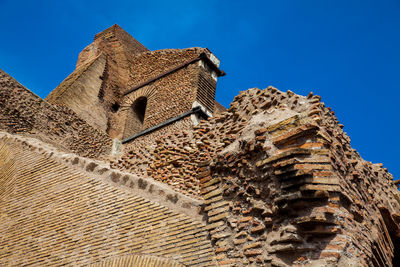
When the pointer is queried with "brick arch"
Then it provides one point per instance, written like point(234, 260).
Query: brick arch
point(147, 91)
point(133, 124)
point(138, 261)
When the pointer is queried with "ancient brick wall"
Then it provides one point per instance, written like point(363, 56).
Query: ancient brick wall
point(136, 155)
point(167, 97)
point(23, 112)
point(115, 63)
point(59, 209)
point(275, 175)
point(138, 261)
point(281, 184)
point(18, 105)
point(102, 91)
point(80, 92)
point(288, 192)
point(367, 193)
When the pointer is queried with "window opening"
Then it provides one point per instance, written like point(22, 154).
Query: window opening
point(135, 117)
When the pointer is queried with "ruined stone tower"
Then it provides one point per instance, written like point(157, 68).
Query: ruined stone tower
point(131, 162)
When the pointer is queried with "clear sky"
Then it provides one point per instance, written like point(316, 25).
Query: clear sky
point(347, 51)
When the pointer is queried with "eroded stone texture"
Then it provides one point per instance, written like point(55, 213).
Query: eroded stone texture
point(272, 181)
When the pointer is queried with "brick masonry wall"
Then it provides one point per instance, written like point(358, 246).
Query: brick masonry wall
point(80, 92)
point(23, 112)
point(368, 194)
point(138, 261)
point(118, 48)
point(127, 65)
point(275, 175)
point(137, 154)
point(169, 96)
point(281, 184)
point(59, 209)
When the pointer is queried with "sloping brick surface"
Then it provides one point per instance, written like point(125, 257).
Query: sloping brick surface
point(54, 215)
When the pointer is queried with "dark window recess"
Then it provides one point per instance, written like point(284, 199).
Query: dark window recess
point(115, 107)
point(135, 117)
point(139, 107)
point(206, 91)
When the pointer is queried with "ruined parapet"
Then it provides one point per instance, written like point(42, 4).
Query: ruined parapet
point(292, 192)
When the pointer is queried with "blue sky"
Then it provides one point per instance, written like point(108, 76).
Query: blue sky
point(346, 51)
